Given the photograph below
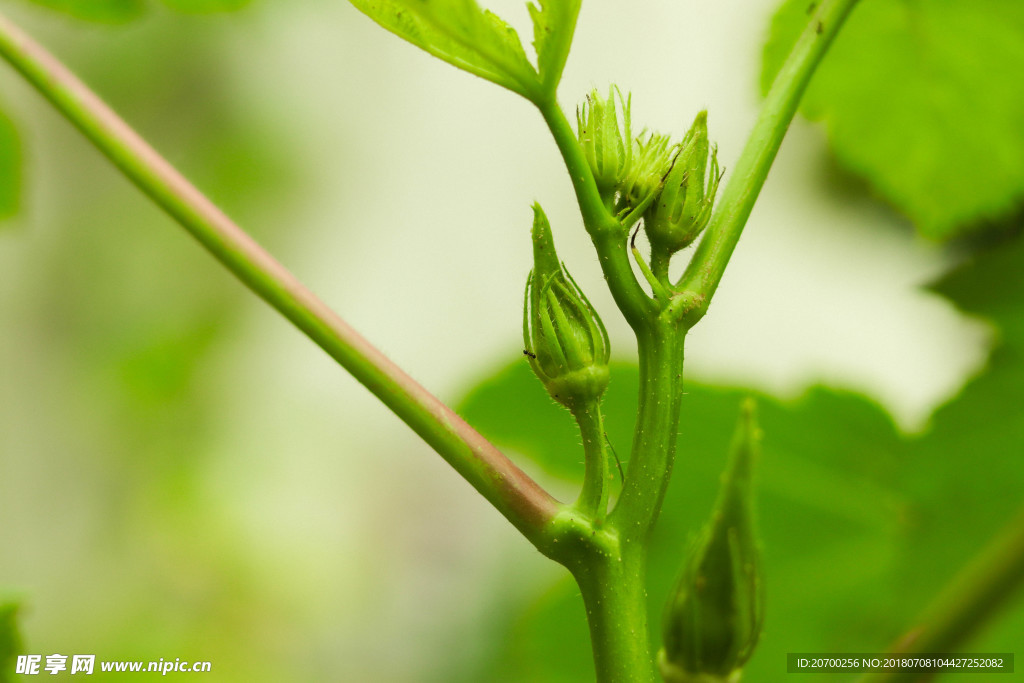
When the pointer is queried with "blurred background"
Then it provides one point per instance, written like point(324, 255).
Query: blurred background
point(183, 474)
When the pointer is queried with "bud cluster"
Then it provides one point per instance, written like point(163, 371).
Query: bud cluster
point(673, 184)
point(627, 170)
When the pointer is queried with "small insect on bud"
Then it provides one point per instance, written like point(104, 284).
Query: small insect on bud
point(713, 619)
point(652, 158)
point(608, 150)
point(683, 209)
point(566, 343)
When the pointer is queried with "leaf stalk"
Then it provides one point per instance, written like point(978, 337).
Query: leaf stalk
point(509, 489)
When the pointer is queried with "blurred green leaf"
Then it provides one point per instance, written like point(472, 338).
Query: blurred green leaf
point(205, 6)
point(989, 285)
point(460, 33)
point(10, 168)
point(119, 330)
point(925, 100)
point(516, 423)
point(861, 526)
point(831, 500)
point(122, 11)
point(554, 22)
point(10, 640)
point(106, 11)
point(982, 429)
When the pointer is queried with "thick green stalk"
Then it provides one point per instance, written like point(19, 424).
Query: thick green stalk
point(510, 490)
point(654, 437)
point(970, 601)
point(614, 590)
point(659, 266)
point(705, 270)
point(605, 230)
point(593, 500)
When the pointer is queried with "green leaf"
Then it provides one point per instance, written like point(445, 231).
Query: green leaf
point(861, 527)
point(989, 285)
point(460, 33)
point(122, 11)
point(925, 100)
point(983, 426)
point(535, 426)
point(554, 22)
point(205, 6)
point(10, 168)
point(105, 11)
point(487, 409)
point(10, 640)
point(819, 506)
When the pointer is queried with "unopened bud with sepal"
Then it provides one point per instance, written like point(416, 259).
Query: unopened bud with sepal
point(565, 340)
point(683, 209)
point(652, 158)
point(607, 147)
point(713, 619)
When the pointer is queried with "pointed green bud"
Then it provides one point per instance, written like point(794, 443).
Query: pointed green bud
point(607, 148)
point(683, 209)
point(652, 159)
point(713, 619)
point(565, 340)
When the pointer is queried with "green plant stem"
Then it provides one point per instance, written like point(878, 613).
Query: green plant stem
point(593, 500)
point(654, 437)
point(612, 584)
point(707, 266)
point(605, 230)
point(659, 266)
point(971, 600)
point(658, 287)
point(511, 491)
point(614, 591)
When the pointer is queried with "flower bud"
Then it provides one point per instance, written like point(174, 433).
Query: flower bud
point(607, 149)
point(713, 619)
point(566, 343)
point(683, 209)
point(652, 158)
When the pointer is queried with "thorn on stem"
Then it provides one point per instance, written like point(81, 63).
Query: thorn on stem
point(618, 463)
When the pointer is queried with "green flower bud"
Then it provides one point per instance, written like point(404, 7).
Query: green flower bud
point(713, 619)
point(565, 341)
point(607, 148)
point(652, 159)
point(683, 209)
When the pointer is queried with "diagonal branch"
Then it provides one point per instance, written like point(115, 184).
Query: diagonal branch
point(508, 488)
point(707, 266)
point(975, 597)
